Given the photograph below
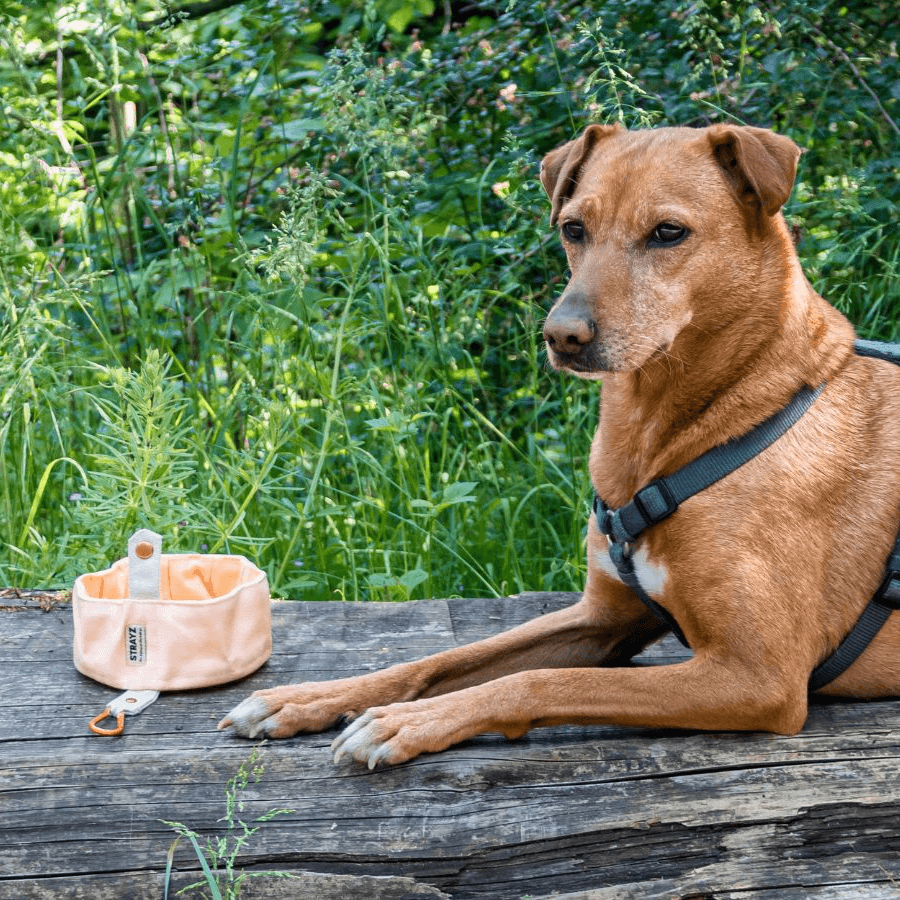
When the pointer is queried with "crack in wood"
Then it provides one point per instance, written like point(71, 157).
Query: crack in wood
point(579, 813)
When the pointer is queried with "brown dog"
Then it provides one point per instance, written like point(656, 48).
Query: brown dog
point(688, 300)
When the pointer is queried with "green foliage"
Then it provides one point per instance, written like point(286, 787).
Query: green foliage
point(271, 279)
point(139, 460)
point(219, 856)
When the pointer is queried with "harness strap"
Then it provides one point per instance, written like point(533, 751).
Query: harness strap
point(887, 597)
point(879, 609)
point(620, 554)
point(659, 499)
point(887, 352)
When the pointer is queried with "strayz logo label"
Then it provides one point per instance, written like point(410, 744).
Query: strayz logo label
point(136, 644)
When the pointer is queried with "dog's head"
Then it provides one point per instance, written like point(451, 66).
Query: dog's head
point(662, 228)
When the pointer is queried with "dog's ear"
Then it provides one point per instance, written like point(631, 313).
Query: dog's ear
point(759, 164)
point(560, 167)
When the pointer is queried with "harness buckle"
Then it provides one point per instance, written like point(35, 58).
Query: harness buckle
point(655, 502)
point(888, 594)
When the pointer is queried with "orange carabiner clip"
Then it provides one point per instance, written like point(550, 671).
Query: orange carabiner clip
point(108, 732)
point(130, 703)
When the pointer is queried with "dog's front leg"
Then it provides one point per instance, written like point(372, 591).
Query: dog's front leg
point(604, 626)
point(702, 693)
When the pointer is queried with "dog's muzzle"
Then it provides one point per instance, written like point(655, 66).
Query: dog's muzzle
point(575, 346)
point(571, 335)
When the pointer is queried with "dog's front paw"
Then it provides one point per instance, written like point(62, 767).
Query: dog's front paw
point(394, 734)
point(249, 718)
point(284, 711)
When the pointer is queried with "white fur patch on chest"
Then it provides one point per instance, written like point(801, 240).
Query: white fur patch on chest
point(652, 576)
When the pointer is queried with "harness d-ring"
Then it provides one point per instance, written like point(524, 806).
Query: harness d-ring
point(108, 732)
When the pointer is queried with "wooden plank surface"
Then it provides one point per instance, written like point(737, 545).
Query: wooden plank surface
point(572, 812)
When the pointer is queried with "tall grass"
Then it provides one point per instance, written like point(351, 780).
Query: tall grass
point(218, 854)
point(288, 305)
point(309, 395)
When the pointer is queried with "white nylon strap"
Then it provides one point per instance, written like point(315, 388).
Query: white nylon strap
point(132, 702)
point(144, 558)
point(128, 704)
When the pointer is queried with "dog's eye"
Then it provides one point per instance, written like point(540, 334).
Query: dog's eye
point(573, 231)
point(667, 234)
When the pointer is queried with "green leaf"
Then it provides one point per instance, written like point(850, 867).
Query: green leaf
point(210, 878)
point(413, 578)
point(460, 492)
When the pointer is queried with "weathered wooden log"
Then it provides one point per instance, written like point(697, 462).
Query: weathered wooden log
point(572, 812)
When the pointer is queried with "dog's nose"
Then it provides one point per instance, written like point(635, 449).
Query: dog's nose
point(568, 332)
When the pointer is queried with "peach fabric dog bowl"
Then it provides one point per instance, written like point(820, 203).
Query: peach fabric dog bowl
point(208, 623)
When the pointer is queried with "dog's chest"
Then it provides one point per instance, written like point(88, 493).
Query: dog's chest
point(651, 573)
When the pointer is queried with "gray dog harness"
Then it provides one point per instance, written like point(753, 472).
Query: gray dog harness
point(661, 498)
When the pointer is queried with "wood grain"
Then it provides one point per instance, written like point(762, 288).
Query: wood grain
point(573, 812)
